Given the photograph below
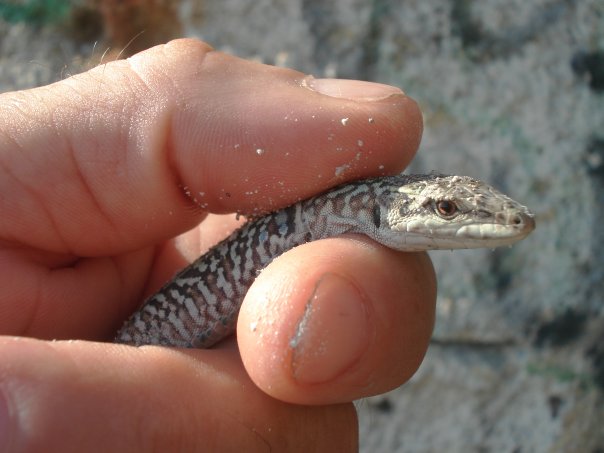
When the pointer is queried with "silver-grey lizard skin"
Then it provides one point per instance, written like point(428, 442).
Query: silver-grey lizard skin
point(199, 306)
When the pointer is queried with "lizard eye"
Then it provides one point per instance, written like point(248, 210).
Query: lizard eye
point(446, 208)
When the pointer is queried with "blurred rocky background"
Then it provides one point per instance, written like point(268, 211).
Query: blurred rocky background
point(512, 92)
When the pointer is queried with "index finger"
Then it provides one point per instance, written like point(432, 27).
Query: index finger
point(123, 144)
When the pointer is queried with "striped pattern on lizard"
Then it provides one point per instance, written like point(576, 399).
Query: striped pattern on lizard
point(199, 306)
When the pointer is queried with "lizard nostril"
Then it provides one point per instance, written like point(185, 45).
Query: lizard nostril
point(524, 221)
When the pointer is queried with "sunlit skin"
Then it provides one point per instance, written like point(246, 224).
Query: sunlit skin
point(95, 218)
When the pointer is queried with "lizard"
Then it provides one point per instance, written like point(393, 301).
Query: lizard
point(198, 307)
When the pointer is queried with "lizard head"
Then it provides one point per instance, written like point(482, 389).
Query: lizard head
point(449, 212)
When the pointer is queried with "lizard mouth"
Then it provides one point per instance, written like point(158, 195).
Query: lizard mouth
point(515, 227)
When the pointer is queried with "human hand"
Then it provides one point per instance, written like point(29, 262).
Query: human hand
point(93, 175)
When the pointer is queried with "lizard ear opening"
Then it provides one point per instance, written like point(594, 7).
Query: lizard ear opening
point(377, 215)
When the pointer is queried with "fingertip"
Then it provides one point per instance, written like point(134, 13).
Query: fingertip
point(273, 139)
point(337, 322)
point(332, 333)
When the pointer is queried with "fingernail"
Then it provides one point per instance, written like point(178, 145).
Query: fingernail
point(357, 90)
point(333, 332)
point(5, 421)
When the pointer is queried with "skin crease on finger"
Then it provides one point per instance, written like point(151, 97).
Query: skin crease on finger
point(76, 159)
